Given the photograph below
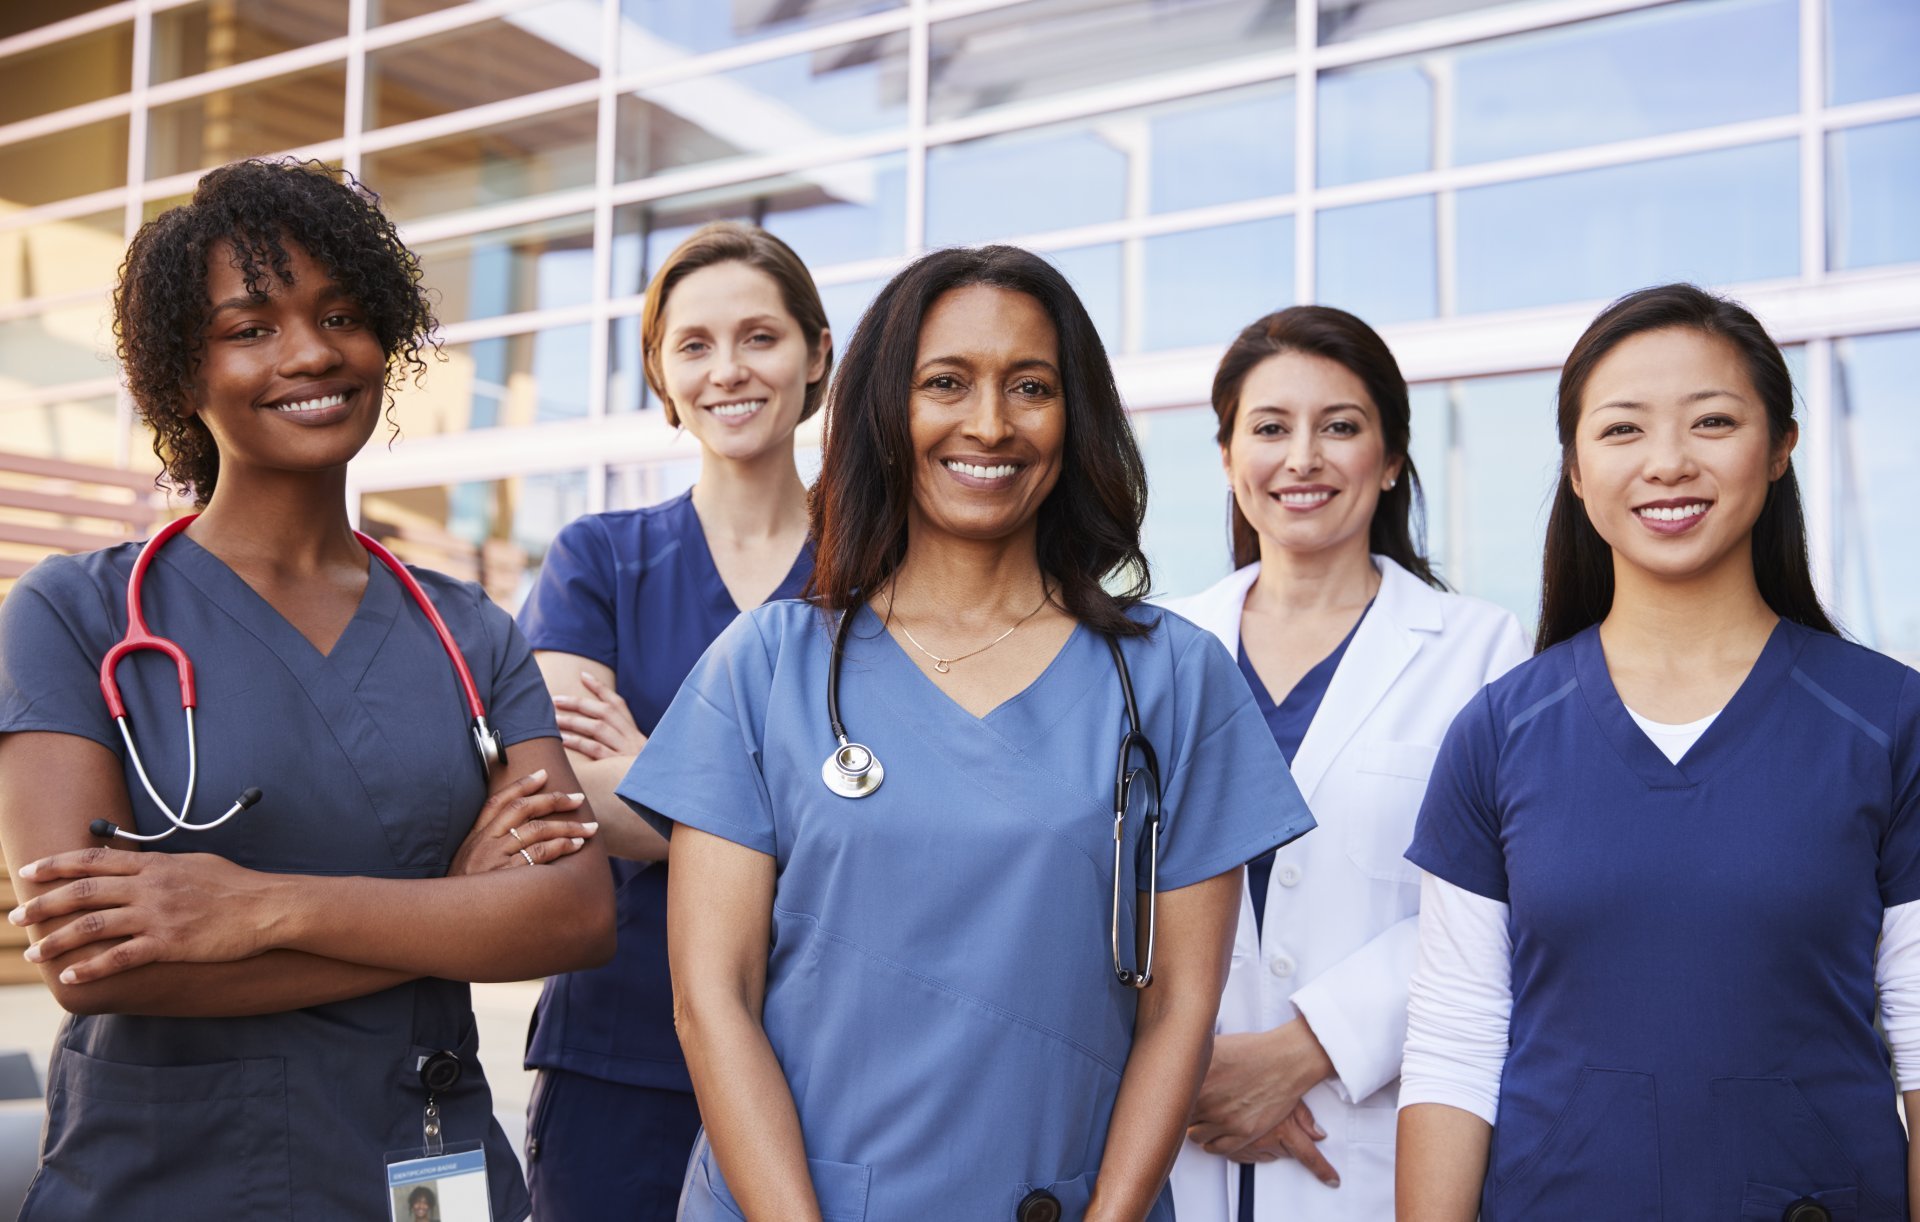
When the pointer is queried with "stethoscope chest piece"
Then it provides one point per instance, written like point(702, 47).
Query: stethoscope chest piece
point(853, 770)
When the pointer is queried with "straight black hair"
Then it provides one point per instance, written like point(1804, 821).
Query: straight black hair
point(1089, 525)
point(1576, 585)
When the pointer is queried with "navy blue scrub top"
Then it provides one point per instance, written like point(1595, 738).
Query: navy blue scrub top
point(637, 591)
point(367, 768)
point(1693, 944)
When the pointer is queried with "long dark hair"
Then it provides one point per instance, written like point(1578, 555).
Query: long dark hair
point(1576, 584)
point(1089, 525)
point(1399, 517)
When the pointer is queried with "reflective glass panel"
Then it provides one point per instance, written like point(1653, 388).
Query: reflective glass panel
point(1873, 49)
point(1203, 287)
point(1873, 184)
point(209, 34)
point(526, 157)
point(385, 12)
point(658, 32)
point(1714, 218)
point(1429, 447)
point(268, 116)
point(1879, 435)
point(1022, 183)
point(58, 257)
point(529, 267)
point(1346, 20)
point(69, 344)
point(778, 107)
point(495, 532)
point(1222, 147)
point(1498, 527)
point(830, 214)
point(1185, 534)
point(1377, 260)
point(526, 51)
point(1097, 276)
point(78, 161)
point(637, 485)
point(19, 18)
point(67, 73)
point(1376, 121)
point(77, 430)
point(846, 306)
point(627, 389)
point(510, 381)
point(1048, 47)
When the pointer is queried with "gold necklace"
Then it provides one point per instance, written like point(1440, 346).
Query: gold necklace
point(945, 665)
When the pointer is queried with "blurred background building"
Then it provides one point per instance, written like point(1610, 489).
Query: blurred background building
point(1475, 177)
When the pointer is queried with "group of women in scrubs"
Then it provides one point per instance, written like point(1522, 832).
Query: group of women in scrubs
point(956, 819)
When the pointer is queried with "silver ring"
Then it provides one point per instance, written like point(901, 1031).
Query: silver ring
point(529, 857)
point(513, 833)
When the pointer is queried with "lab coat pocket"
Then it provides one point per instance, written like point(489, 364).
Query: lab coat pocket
point(164, 1141)
point(1071, 1197)
point(1603, 1147)
point(1378, 825)
point(840, 1188)
point(1770, 1140)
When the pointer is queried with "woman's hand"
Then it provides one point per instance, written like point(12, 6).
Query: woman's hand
point(146, 908)
point(518, 827)
point(1295, 1138)
point(1253, 1082)
point(599, 724)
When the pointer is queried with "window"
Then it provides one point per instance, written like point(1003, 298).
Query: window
point(1377, 260)
point(495, 532)
point(526, 51)
point(59, 257)
point(78, 161)
point(209, 34)
point(1877, 438)
point(67, 73)
point(1870, 49)
point(654, 33)
point(1205, 285)
point(508, 161)
point(506, 271)
point(270, 116)
point(1873, 179)
point(509, 381)
point(1185, 534)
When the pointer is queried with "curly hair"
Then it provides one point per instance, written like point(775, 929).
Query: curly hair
point(161, 306)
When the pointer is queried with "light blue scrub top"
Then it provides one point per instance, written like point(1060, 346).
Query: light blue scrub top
point(940, 987)
point(367, 768)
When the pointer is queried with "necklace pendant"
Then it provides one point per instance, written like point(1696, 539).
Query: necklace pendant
point(942, 665)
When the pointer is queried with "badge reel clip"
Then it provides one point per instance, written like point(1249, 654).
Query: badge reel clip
point(451, 1179)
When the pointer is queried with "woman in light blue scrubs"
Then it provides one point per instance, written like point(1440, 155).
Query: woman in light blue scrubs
point(1673, 859)
point(251, 1004)
point(736, 346)
point(906, 1004)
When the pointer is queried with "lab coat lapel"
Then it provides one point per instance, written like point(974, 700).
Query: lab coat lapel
point(1385, 643)
point(1217, 608)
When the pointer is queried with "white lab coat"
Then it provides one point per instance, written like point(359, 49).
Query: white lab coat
point(1342, 904)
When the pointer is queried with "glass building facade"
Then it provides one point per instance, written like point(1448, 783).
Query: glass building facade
point(1475, 177)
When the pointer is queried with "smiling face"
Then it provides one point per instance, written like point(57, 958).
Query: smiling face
point(987, 414)
point(734, 361)
point(1307, 459)
point(1672, 457)
point(292, 380)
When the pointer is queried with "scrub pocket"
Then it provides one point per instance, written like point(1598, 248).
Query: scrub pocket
point(841, 1189)
point(173, 1141)
point(1771, 1143)
point(1600, 1158)
point(1377, 837)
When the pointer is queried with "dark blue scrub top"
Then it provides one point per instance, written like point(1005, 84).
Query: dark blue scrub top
point(1289, 721)
point(1693, 944)
point(636, 590)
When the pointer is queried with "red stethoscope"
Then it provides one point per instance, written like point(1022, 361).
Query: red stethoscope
point(487, 743)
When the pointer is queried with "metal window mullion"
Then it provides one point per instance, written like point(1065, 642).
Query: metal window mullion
point(1474, 27)
point(605, 167)
point(919, 82)
point(1133, 248)
point(1816, 467)
point(1446, 204)
point(1305, 145)
point(123, 407)
point(442, 21)
point(746, 55)
point(478, 118)
point(354, 113)
point(55, 122)
point(72, 27)
point(1813, 141)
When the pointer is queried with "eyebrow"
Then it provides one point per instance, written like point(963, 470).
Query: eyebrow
point(967, 363)
point(253, 301)
point(1694, 397)
point(1331, 407)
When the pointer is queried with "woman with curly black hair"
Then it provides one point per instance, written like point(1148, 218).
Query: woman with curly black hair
point(258, 1007)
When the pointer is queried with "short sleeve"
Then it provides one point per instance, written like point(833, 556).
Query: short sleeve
point(571, 607)
point(703, 765)
point(1899, 871)
point(519, 706)
point(1457, 835)
point(1228, 794)
point(49, 679)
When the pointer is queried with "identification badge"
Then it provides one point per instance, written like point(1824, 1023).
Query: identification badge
point(447, 1187)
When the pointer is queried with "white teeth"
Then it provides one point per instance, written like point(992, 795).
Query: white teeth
point(1675, 513)
point(312, 405)
point(1305, 498)
point(979, 472)
point(733, 411)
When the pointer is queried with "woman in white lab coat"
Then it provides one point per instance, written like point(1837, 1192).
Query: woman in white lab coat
point(1359, 661)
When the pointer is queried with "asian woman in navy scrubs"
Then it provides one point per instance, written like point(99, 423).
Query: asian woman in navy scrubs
point(250, 1004)
point(736, 346)
point(1673, 861)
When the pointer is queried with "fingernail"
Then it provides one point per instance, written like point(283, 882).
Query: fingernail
point(591, 827)
point(1319, 1134)
point(29, 870)
point(578, 797)
point(577, 842)
point(69, 977)
point(33, 954)
point(17, 917)
point(538, 774)
point(1334, 1182)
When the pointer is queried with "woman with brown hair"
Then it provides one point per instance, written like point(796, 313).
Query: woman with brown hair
point(1358, 660)
point(957, 842)
point(736, 347)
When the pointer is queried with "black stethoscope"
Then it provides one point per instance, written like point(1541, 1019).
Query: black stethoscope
point(487, 743)
point(854, 771)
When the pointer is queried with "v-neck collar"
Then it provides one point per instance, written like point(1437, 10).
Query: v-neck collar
point(872, 626)
point(1713, 748)
point(698, 555)
point(352, 653)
